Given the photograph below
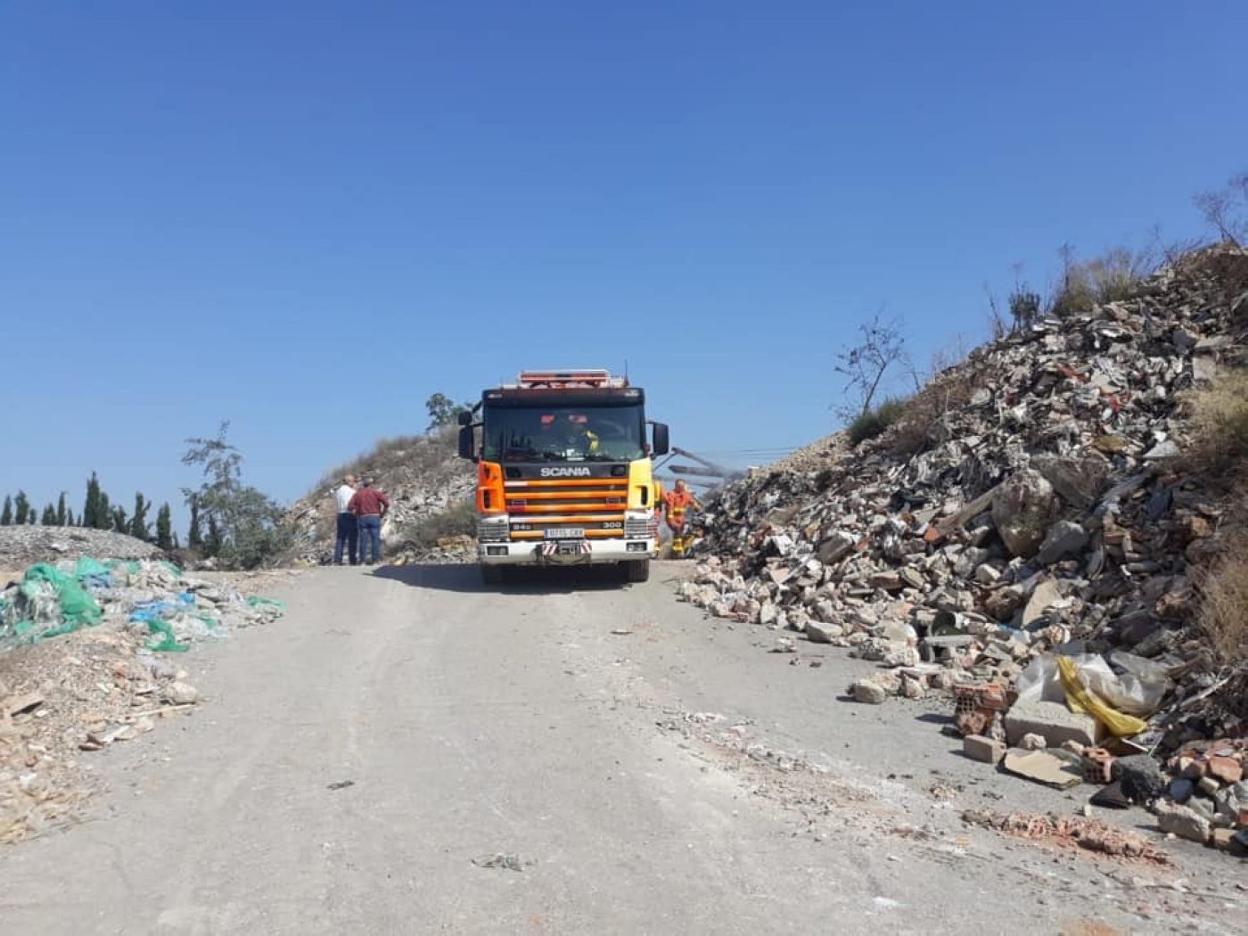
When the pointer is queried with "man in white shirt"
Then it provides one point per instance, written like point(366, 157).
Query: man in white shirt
point(348, 533)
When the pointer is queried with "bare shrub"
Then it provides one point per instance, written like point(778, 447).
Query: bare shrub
point(881, 347)
point(1226, 209)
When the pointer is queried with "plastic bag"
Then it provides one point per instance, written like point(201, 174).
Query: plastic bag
point(1137, 692)
point(77, 607)
point(257, 601)
point(1080, 699)
point(164, 640)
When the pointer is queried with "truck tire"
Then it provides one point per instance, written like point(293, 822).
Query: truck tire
point(638, 570)
point(491, 575)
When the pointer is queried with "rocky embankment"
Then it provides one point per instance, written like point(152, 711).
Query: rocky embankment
point(422, 475)
point(1034, 503)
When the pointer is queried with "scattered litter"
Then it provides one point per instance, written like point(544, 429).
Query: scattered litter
point(509, 861)
point(340, 784)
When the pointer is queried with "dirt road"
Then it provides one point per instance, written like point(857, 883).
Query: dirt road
point(407, 753)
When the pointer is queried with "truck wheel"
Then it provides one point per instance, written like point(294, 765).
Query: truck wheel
point(638, 570)
point(491, 575)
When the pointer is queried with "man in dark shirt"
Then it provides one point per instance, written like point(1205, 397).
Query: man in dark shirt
point(369, 505)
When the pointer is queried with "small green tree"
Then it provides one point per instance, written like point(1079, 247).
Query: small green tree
point(138, 522)
point(49, 516)
point(21, 509)
point(69, 518)
point(62, 511)
point(104, 519)
point(164, 528)
point(443, 411)
point(120, 523)
point(6, 515)
point(30, 517)
point(244, 524)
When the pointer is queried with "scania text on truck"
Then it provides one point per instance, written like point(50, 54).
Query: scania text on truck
point(564, 473)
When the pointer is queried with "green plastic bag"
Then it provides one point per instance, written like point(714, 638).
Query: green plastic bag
point(87, 567)
point(257, 601)
point(77, 607)
point(163, 640)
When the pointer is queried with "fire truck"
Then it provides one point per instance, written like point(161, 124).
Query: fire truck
point(564, 473)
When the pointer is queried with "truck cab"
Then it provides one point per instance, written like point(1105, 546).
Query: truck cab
point(564, 473)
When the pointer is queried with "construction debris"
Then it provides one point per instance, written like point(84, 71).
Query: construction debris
point(1025, 541)
point(86, 650)
point(1071, 832)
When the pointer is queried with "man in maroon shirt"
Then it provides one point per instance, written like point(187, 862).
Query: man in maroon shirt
point(369, 505)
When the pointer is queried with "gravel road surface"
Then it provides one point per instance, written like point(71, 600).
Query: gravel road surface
point(407, 752)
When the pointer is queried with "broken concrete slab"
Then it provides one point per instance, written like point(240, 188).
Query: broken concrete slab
point(1048, 767)
point(1053, 721)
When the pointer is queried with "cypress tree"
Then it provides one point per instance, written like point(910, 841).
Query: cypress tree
point(91, 509)
point(6, 515)
point(104, 512)
point(21, 509)
point(164, 528)
point(138, 523)
point(62, 511)
point(120, 524)
point(195, 537)
point(30, 517)
point(49, 516)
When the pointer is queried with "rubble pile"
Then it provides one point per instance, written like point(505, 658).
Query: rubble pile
point(1033, 505)
point(422, 476)
point(150, 597)
point(110, 675)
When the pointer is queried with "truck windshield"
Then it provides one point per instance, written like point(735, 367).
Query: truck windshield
point(577, 433)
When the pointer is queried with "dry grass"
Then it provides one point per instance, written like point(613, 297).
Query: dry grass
point(1218, 425)
point(413, 451)
point(1108, 278)
point(947, 391)
point(1224, 605)
point(457, 520)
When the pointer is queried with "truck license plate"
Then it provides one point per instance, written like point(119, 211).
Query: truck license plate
point(566, 533)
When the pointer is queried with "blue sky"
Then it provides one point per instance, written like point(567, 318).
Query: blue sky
point(307, 217)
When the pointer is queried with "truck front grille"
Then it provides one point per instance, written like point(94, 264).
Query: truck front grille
point(595, 505)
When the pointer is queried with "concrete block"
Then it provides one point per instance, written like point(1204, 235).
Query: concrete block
point(1053, 721)
point(979, 748)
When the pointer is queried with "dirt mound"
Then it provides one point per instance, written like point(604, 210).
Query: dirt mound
point(21, 546)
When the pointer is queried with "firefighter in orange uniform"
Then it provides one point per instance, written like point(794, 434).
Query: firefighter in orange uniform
point(675, 503)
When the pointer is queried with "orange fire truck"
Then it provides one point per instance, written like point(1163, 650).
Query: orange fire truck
point(564, 473)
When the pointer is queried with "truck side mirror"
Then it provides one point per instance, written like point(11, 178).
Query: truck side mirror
point(466, 444)
point(661, 441)
point(464, 418)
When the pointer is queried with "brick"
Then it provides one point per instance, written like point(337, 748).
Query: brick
point(1052, 720)
point(979, 748)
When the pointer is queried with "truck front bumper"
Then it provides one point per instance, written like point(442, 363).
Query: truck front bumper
point(547, 552)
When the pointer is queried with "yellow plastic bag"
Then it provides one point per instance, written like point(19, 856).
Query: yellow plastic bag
point(1079, 699)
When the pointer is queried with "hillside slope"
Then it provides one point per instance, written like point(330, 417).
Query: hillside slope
point(422, 476)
